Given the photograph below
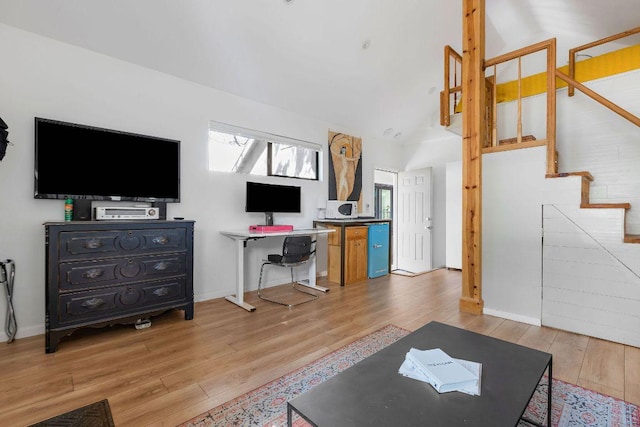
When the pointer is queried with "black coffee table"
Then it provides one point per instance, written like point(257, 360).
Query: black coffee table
point(373, 393)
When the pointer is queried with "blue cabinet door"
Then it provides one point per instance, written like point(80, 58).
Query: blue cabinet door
point(378, 250)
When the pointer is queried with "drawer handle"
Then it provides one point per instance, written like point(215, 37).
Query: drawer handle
point(377, 246)
point(93, 303)
point(93, 244)
point(94, 273)
point(160, 266)
point(161, 292)
point(160, 240)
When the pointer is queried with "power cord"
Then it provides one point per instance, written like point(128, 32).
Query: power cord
point(7, 276)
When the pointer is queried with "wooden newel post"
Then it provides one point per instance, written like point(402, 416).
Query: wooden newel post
point(473, 131)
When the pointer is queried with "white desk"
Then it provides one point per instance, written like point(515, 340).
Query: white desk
point(241, 237)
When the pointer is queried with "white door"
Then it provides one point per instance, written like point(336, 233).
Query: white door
point(414, 220)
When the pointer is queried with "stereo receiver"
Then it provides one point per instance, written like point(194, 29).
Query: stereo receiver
point(129, 212)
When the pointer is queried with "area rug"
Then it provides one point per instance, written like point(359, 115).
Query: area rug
point(96, 414)
point(573, 406)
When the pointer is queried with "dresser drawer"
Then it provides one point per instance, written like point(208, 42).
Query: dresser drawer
point(352, 233)
point(79, 275)
point(96, 305)
point(90, 244)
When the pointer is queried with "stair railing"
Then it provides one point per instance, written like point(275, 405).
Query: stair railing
point(574, 84)
point(452, 85)
point(598, 98)
point(550, 137)
point(574, 52)
point(453, 72)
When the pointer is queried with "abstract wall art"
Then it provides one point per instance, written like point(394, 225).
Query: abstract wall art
point(345, 168)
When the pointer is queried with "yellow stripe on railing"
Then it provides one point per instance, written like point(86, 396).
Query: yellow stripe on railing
point(608, 64)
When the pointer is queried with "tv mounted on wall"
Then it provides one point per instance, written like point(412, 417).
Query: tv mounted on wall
point(88, 163)
point(270, 198)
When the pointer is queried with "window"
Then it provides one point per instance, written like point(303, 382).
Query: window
point(383, 199)
point(237, 150)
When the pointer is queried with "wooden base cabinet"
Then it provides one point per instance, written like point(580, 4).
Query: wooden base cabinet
point(334, 249)
point(101, 273)
point(355, 254)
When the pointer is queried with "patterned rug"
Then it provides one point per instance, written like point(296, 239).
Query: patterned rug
point(96, 414)
point(573, 406)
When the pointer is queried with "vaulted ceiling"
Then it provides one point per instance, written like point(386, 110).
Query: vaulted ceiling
point(369, 65)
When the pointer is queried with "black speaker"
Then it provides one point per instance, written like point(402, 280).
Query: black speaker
point(81, 210)
point(162, 209)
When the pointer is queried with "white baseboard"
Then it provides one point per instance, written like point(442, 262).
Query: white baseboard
point(30, 331)
point(268, 284)
point(213, 295)
point(511, 316)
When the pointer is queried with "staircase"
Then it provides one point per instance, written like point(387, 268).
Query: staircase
point(590, 266)
point(607, 64)
point(586, 179)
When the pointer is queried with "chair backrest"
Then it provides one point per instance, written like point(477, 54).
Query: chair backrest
point(296, 249)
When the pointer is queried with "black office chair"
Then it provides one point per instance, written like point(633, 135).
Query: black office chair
point(296, 250)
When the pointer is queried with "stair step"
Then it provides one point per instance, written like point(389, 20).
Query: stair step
point(606, 205)
point(632, 238)
point(584, 174)
point(586, 179)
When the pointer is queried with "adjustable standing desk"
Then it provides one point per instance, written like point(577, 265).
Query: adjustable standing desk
point(241, 237)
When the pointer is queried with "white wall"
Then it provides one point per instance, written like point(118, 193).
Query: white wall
point(513, 186)
point(435, 154)
point(45, 78)
point(592, 138)
point(453, 204)
point(595, 139)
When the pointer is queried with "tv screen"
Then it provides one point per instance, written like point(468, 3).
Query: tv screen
point(272, 198)
point(84, 162)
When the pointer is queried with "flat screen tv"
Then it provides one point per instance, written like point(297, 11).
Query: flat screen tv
point(90, 163)
point(270, 198)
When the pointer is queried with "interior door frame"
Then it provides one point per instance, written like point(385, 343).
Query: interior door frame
point(423, 220)
point(393, 175)
point(377, 189)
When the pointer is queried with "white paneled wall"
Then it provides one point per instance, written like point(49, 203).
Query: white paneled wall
point(591, 281)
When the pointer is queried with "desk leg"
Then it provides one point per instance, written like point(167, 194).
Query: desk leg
point(238, 299)
point(549, 397)
point(311, 282)
point(549, 392)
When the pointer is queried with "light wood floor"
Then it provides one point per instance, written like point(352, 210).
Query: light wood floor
point(178, 369)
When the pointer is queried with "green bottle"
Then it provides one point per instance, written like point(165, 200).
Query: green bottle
point(68, 209)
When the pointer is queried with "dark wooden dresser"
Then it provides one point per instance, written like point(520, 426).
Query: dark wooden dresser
point(101, 273)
